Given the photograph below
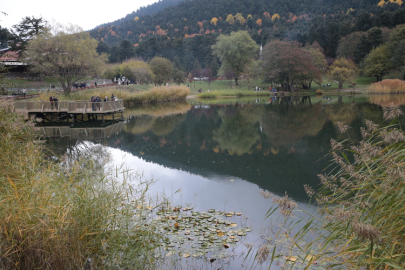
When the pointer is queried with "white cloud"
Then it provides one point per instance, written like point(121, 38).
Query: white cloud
point(86, 14)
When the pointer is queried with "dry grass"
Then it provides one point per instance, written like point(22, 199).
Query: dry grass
point(159, 110)
point(71, 214)
point(153, 95)
point(389, 86)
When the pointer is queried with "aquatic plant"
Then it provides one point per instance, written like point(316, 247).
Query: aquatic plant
point(68, 214)
point(388, 86)
point(359, 224)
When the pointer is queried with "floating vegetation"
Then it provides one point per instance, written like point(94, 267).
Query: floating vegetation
point(190, 233)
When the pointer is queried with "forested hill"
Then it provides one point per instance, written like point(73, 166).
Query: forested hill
point(188, 29)
point(143, 11)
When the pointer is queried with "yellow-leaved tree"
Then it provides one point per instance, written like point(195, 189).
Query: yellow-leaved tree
point(136, 18)
point(240, 18)
point(381, 3)
point(342, 71)
point(214, 21)
point(67, 53)
point(259, 22)
point(274, 17)
point(230, 19)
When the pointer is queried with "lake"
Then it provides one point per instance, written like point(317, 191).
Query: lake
point(222, 154)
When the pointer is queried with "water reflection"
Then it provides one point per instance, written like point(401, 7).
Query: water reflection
point(221, 156)
point(278, 146)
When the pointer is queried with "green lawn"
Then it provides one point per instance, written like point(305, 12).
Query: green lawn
point(226, 87)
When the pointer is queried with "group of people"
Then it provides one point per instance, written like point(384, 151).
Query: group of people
point(79, 85)
point(122, 81)
point(96, 106)
point(258, 89)
point(54, 102)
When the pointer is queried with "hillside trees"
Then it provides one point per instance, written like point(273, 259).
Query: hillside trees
point(69, 55)
point(180, 34)
point(288, 64)
point(342, 71)
point(348, 44)
point(235, 51)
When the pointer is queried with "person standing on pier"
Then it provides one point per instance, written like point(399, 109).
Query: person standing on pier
point(93, 104)
point(55, 100)
point(51, 100)
point(98, 100)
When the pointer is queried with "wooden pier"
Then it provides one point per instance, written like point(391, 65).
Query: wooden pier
point(72, 109)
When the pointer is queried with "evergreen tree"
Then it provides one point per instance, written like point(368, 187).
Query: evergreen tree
point(102, 47)
point(126, 50)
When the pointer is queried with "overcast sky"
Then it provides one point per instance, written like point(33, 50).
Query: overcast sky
point(84, 13)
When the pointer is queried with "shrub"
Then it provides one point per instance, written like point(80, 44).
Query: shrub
point(319, 92)
point(388, 86)
point(70, 214)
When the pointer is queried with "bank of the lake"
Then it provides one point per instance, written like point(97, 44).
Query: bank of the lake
point(130, 95)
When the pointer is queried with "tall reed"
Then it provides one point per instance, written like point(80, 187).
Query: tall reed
point(360, 223)
point(68, 214)
point(388, 86)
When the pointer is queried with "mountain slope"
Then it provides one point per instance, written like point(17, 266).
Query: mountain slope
point(187, 30)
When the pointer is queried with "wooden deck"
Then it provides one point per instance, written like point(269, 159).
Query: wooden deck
point(71, 107)
point(81, 133)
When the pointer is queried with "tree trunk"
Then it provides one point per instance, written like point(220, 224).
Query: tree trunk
point(236, 81)
point(340, 85)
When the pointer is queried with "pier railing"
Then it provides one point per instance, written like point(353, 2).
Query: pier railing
point(67, 106)
point(95, 107)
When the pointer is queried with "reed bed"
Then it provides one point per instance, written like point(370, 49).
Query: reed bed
point(388, 86)
point(159, 110)
point(68, 214)
point(360, 224)
point(153, 95)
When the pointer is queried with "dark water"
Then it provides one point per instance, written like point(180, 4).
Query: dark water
point(221, 156)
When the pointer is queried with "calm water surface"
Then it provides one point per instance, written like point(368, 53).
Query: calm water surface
point(221, 156)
